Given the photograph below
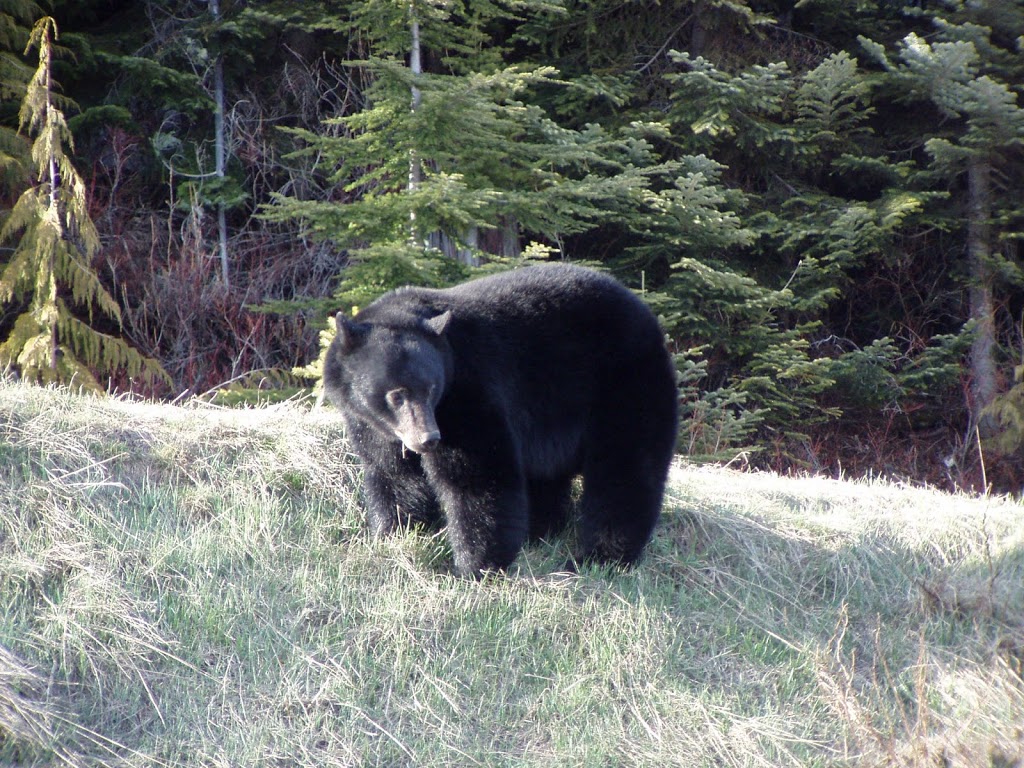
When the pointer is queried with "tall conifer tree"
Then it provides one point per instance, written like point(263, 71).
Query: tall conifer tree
point(55, 242)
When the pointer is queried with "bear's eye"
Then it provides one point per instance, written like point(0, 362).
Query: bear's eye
point(395, 398)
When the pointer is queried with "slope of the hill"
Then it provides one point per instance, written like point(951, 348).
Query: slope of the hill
point(191, 586)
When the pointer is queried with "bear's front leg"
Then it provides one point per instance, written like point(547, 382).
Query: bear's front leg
point(398, 497)
point(396, 490)
point(483, 494)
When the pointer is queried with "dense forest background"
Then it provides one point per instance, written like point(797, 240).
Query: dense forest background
point(823, 200)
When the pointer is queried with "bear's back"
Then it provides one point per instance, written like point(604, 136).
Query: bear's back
point(566, 301)
point(532, 318)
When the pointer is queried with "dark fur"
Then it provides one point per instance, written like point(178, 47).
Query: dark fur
point(534, 376)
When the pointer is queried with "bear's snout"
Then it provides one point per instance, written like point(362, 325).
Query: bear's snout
point(417, 428)
point(425, 442)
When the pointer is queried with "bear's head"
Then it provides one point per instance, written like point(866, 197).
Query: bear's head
point(390, 377)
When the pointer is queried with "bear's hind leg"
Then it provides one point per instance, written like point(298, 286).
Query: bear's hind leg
point(623, 488)
point(620, 506)
point(627, 457)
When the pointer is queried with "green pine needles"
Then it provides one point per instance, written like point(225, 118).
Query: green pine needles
point(55, 241)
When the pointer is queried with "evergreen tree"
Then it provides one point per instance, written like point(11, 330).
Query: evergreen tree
point(55, 242)
point(458, 159)
point(823, 203)
point(969, 76)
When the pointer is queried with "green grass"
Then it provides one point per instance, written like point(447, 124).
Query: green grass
point(192, 586)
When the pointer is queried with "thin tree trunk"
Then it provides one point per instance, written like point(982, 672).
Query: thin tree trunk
point(984, 378)
point(219, 152)
point(510, 245)
point(416, 67)
point(468, 255)
point(699, 33)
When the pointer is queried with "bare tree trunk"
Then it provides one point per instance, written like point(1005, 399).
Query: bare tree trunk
point(219, 152)
point(984, 378)
point(510, 245)
point(699, 34)
point(416, 67)
point(468, 255)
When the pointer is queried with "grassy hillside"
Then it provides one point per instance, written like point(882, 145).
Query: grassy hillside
point(192, 587)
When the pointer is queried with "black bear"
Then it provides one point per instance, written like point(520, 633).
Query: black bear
point(480, 403)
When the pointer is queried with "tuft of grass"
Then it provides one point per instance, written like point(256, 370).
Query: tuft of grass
point(193, 586)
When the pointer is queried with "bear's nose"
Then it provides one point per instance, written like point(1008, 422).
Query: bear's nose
point(424, 442)
point(429, 441)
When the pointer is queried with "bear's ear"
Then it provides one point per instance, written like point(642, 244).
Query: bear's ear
point(350, 334)
point(439, 323)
